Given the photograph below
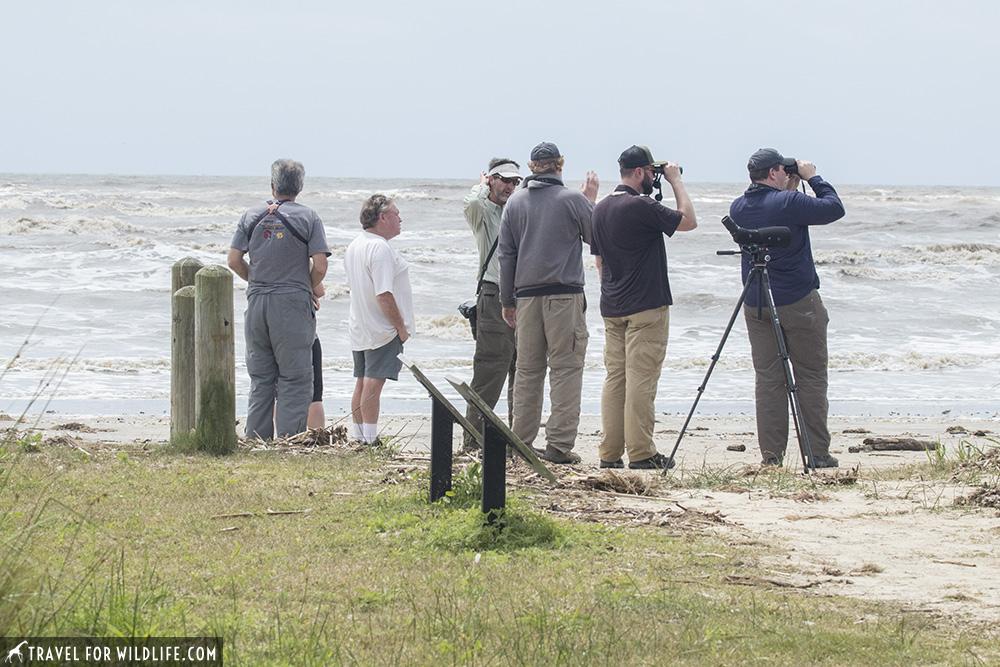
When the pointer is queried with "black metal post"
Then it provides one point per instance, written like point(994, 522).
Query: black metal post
point(494, 471)
point(442, 427)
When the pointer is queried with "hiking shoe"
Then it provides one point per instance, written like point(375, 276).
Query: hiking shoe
point(553, 455)
point(655, 462)
point(771, 461)
point(613, 464)
point(824, 461)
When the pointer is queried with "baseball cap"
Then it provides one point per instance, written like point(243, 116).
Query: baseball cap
point(505, 169)
point(545, 151)
point(765, 158)
point(637, 156)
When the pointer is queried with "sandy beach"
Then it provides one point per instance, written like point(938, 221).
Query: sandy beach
point(860, 530)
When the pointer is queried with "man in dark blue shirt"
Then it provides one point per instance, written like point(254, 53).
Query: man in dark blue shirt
point(627, 241)
point(795, 285)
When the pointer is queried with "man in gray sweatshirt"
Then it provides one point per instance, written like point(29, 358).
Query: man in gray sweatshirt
point(542, 231)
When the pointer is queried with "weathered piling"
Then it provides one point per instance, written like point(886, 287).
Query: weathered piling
point(182, 384)
point(182, 378)
point(215, 361)
point(183, 272)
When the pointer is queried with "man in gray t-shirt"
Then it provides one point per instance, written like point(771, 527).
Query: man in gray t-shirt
point(288, 259)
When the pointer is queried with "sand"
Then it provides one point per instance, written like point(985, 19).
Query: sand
point(904, 541)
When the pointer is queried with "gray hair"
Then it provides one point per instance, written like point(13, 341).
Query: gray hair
point(372, 209)
point(287, 177)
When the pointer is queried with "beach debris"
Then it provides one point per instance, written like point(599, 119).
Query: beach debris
point(953, 562)
point(961, 430)
point(840, 477)
point(894, 445)
point(987, 460)
point(855, 430)
point(74, 426)
point(754, 580)
point(630, 483)
point(268, 512)
point(736, 448)
point(60, 441)
point(984, 496)
point(314, 439)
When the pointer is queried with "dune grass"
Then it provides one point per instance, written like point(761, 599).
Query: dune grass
point(338, 559)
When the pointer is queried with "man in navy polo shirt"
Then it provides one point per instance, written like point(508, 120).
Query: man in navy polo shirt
point(627, 240)
point(794, 285)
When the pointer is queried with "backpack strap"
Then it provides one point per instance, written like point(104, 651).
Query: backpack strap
point(272, 209)
point(482, 269)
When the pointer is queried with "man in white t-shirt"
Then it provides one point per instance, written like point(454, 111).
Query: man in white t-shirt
point(381, 310)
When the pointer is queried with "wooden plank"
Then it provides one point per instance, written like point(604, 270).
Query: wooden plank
point(440, 398)
point(526, 452)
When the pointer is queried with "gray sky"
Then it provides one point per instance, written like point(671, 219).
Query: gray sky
point(873, 92)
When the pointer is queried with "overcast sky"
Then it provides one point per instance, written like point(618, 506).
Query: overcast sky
point(872, 92)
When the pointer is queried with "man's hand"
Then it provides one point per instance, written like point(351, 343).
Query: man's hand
point(483, 178)
point(510, 316)
point(806, 169)
point(590, 186)
point(387, 302)
point(672, 172)
point(318, 292)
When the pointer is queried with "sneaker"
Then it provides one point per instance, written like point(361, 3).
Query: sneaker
point(656, 461)
point(553, 455)
point(824, 461)
point(771, 461)
point(613, 464)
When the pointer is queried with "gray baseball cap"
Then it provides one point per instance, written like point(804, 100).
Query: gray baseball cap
point(765, 158)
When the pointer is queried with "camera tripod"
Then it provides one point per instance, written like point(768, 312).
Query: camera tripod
point(758, 276)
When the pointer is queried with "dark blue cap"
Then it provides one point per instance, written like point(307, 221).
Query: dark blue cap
point(545, 151)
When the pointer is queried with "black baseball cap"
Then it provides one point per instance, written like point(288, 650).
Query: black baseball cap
point(545, 151)
point(765, 158)
point(634, 157)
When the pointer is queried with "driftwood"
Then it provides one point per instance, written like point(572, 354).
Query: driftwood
point(894, 445)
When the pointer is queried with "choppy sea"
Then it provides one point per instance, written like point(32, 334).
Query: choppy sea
point(911, 277)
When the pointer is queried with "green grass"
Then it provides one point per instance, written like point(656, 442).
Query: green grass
point(127, 542)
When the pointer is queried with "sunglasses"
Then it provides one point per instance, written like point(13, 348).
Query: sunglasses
point(515, 180)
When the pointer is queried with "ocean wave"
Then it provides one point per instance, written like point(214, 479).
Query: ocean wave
point(446, 327)
point(96, 226)
point(963, 198)
point(983, 254)
point(333, 290)
point(894, 274)
point(216, 248)
point(110, 366)
point(911, 360)
point(129, 207)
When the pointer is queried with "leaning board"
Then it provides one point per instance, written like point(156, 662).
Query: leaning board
point(439, 397)
point(526, 452)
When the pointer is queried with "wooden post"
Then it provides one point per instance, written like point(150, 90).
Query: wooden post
point(442, 429)
point(494, 471)
point(215, 361)
point(182, 385)
point(183, 272)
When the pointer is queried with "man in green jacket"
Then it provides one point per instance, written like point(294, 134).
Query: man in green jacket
point(493, 362)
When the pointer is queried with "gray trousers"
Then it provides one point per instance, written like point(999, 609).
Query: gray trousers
point(493, 363)
point(280, 330)
point(804, 326)
point(551, 334)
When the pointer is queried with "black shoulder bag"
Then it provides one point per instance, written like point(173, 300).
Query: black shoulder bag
point(468, 308)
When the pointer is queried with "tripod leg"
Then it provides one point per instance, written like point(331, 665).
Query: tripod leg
point(753, 276)
point(793, 391)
